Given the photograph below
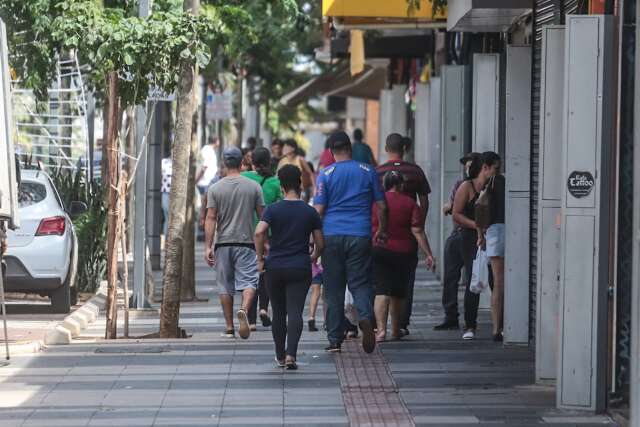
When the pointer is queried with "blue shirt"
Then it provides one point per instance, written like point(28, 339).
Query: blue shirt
point(348, 190)
point(291, 223)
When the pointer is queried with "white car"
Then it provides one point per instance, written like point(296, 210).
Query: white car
point(42, 254)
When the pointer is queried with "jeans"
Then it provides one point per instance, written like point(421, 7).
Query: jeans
point(460, 251)
point(288, 288)
point(165, 213)
point(346, 260)
point(262, 296)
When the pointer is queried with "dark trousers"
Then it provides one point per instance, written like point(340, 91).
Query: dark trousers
point(288, 288)
point(408, 302)
point(346, 260)
point(261, 299)
point(459, 251)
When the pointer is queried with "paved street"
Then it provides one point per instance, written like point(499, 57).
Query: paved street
point(429, 379)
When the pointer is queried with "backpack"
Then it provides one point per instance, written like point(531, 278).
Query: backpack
point(483, 206)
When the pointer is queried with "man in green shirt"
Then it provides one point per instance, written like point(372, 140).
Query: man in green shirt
point(262, 173)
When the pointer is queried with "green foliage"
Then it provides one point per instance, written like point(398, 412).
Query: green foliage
point(91, 226)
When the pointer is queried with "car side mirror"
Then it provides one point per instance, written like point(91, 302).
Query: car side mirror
point(77, 208)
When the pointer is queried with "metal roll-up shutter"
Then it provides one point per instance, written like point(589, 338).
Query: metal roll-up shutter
point(545, 12)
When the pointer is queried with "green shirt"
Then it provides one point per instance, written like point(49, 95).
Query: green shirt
point(270, 187)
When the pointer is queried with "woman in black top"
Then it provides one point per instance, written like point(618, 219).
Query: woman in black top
point(494, 238)
point(461, 250)
point(288, 265)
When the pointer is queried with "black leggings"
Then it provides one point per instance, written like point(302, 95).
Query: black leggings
point(263, 297)
point(287, 288)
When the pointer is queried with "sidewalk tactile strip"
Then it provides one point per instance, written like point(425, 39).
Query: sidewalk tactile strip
point(370, 394)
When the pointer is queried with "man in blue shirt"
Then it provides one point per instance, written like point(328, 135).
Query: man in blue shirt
point(345, 194)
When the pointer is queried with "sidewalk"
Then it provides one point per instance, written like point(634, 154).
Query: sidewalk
point(430, 379)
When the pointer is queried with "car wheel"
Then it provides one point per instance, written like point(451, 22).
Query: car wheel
point(61, 299)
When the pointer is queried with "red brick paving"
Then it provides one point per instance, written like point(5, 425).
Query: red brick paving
point(370, 395)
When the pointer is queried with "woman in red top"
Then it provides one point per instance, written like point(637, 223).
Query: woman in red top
point(394, 260)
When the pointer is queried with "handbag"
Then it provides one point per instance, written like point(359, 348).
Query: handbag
point(483, 206)
point(480, 273)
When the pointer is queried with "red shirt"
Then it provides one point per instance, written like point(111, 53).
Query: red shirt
point(326, 159)
point(404, 213)
point(415, 181)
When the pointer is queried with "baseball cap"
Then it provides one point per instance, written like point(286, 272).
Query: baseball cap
point(470, 156)
point(338, 140)
point(232, 153)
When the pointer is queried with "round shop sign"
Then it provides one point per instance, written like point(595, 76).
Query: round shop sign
point(580, 184)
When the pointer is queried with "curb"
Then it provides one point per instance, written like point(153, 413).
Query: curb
point(79, 320)
point(22, 347)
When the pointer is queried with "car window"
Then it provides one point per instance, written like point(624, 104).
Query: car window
point(31, 193)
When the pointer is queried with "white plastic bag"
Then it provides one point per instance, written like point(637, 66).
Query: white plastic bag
point(480, 273)
point(350, 311)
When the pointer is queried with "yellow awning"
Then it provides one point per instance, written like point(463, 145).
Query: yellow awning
point(379, 9)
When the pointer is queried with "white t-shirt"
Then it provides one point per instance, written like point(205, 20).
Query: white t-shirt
point(167, 171)
point(208, 158)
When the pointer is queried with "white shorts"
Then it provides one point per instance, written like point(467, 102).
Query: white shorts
point(495, 241)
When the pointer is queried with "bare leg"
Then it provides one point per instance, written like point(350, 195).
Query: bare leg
point(248, 295)
point(397, 311)
point(381, 309)
point(497, 296)
point(315, 299)
point(227, 308)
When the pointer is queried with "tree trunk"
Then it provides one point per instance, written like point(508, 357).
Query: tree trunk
point(111, 141)
point(186, 106)
point(188, 285)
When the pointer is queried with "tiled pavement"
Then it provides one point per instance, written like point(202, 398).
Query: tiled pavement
point(430, 379)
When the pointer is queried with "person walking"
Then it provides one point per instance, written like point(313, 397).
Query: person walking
point(276, 154)
point(460, 250)
point(166, 168)
point(493, 238)
point(346, 192)
point(291, 156)
point(394, 260)
point(316, 294)
point(208, 165)
point(362, 152)
point(231, 205)
point(415, 186)
point(261, 173)
point(287, 267)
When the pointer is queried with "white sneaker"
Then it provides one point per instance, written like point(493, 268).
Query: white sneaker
point(469, 334)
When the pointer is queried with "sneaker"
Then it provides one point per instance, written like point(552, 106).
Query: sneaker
point(447, 325)
point(312, 325)
point(264, 317)
point(499, 337)
point(351, 334)
point(469, 334)
point(404, 332)
point(333, 348)
point(244, 330)
point(228, 334)
point(291, 365)
point(368, 337)
point(279, 363)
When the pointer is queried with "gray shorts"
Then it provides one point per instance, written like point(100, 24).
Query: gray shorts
point(236, 269)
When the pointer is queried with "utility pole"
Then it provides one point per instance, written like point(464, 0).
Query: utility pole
point(139, 298)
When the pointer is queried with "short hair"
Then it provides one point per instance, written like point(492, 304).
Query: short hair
point(214, 139)
point(291, 143)
point(395, 143)
point(490, 158)
point(261, 157)
point(290, 177)
point(392, 179)
point(233, 162)
point(276, 142)
point(339, 141)
point(301, 152)
point(406, 143)
point(358, 135)
point(252, 142)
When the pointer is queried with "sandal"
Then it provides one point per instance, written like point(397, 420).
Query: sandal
point(381, 337)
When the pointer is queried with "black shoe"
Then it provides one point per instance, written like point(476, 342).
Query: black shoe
point(312, 325)
point(368, 337)
point(498, 337)
point(266, 320)
point(447, 325)
point(333, 348)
